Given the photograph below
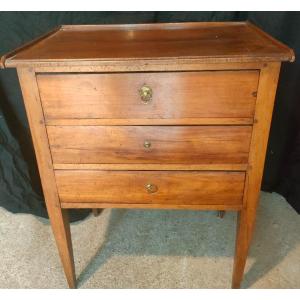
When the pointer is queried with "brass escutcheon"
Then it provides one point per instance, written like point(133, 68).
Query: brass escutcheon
point(146, 93)
point(151, 188)
point(147, 144)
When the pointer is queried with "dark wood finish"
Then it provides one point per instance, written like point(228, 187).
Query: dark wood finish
point(177, 95)
point(81, 92)
point(149, 144)
point(173, 187)
point(215, 42)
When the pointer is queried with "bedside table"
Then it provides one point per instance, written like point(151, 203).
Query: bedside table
point(168, 116)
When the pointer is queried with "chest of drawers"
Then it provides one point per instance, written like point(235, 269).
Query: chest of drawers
point(172, 116)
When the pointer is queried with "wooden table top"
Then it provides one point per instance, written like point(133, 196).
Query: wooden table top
point(204, 41)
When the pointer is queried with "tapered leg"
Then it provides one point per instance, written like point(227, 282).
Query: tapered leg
point(58, 217)
point(96, 211)
point(244, 233)
point(61, 230)
point(221, 214)
point(263, 114)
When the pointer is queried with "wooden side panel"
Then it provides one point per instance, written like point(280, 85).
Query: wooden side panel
point(263, 115)
point(150, 144)
point(166, 187)
point(58, 217)
point(222, 94)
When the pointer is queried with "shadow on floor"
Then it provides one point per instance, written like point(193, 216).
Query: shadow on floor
point(275, 236)
point(194, 234)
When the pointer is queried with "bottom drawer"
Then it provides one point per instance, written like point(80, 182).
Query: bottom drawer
point(151, 187)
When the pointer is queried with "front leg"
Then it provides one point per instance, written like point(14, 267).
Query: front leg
point(61, 229)
point(245, 226)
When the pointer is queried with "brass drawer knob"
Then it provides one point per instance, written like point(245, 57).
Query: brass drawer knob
point(151, 188)
point(146, 93)
point(147, 144)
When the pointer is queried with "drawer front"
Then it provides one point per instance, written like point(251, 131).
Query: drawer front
point(155, 187)
point(177, 95)
point(149, 144)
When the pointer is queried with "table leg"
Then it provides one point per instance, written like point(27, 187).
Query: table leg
point(263, 114)
point(96, 211)
point(58, 217)
point(244, 233)
point(221, 214)
point(61, 230)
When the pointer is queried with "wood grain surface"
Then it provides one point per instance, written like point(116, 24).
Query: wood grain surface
point(213, 88)
point(58, 216)
point(206, 41)
point(173, 187)
point(259, 140)
point(222, 94)
point(149, 144)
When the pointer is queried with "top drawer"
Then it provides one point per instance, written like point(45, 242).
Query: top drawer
point(172, 95)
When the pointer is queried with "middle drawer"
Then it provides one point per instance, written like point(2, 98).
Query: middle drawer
point(149, 144)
